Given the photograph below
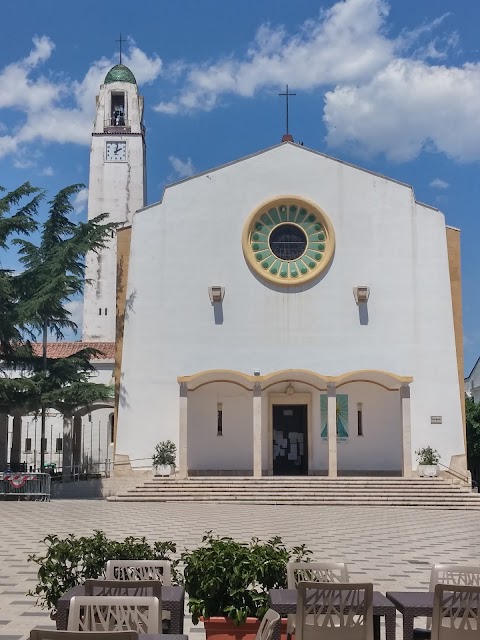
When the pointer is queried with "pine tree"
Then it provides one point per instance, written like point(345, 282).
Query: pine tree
point(53, 276)
point(26, 199)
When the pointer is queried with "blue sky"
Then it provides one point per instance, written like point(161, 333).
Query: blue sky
point(390, 86)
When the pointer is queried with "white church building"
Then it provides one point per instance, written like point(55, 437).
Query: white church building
point(286, 313)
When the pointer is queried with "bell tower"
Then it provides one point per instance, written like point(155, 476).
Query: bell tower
point(117, 186)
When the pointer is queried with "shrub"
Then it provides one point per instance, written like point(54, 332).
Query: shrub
point(165, 454)
point(231, 579)
point(427, 455)
point(70, 561)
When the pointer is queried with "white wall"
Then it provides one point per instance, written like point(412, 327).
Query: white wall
point(380, 447)
point(234, 449)
point(192, 240)
point(96, 436)
point(116, 188)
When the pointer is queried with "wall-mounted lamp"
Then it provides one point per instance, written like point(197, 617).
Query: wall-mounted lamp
point(216, 293)
point(256, 372)
point(361, 293)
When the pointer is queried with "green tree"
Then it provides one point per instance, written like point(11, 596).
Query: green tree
point(25, 201)
point(54, 275)
point(472, 415)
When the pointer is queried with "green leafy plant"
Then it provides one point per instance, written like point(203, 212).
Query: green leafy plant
point(427, 456)
point(70, 561)
point(228, 578)
point(165, 454)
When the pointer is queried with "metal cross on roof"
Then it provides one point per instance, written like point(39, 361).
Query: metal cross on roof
point(287, 95)
point(120, 40)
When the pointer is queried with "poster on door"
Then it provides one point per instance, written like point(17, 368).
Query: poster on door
point(342, 416)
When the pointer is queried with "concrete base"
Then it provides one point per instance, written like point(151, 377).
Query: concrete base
point(97, 489)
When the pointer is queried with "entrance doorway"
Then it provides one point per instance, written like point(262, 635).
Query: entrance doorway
point(290, 440)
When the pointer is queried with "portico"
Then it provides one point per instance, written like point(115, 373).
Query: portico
point(294, 422)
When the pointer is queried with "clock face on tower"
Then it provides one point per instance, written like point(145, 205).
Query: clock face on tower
point(116, 151)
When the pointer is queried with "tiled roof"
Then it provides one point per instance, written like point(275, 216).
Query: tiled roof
point(65, 349)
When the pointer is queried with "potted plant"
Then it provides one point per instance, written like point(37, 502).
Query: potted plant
point(427, 462)
point(228, 583)
point(68, 562)
point(164, 458)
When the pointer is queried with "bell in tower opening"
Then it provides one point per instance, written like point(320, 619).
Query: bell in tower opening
point(117, 118)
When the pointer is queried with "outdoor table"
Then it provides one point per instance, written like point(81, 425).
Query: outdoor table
point(411, 605)
point(284, 601)
point(163, 636)
point(173, 600)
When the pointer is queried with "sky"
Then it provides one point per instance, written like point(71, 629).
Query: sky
point(393, 87)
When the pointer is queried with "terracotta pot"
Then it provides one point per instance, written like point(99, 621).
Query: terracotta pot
point(225, 629)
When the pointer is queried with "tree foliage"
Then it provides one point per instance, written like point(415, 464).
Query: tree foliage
point(34, 301)
point(18, 210)
point(472, 415)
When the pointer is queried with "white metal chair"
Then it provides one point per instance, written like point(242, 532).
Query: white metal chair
point(145, 588)
point(453, 574)
point(139, 570)
point(313, 572)
point(53, 634)
point(334, 611)
point(114, 613)
point(456, 612)
point(267, 625)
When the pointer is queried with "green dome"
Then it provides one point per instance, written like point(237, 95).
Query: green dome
point(120, 73)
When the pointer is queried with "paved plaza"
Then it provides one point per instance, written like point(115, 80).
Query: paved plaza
point(391, 547)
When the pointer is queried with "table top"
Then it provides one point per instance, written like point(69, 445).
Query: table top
point(173, 593)
point(288, 597)
point(161, 636)
point(411, 599)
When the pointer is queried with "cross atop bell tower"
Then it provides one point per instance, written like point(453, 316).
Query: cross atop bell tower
point(120, 40)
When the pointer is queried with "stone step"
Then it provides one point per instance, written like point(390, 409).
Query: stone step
point(301, 491)
point(419, 492)
point(377, 503)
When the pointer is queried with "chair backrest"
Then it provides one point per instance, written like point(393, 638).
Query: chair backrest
point(334, 611)
point(114, 613)
point(139, 570)
point(267, 625)
point(456, 612)
point(454, 574)
point(53, 634)
point(316, 572)
point(146, 588)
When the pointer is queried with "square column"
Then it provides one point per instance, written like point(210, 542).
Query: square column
point(183, 432)
point(332, 430)
point(406, 431)
point(77, 441)
point(67, 447)
point(257, 431)
point(3, 441)
point(16, 449)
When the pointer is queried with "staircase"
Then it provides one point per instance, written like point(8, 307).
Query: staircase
point(432, 493)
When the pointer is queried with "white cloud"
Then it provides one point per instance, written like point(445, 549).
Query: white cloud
point(75, 307)
point(344, 44)
point(182, 168)
point(47, 171)
point(80, 200)
point(406, 108)
point(386, 94)
point(438, 183)
point(48, 112)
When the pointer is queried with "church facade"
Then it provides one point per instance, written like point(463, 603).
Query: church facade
point(289, 313)
point(286, 313)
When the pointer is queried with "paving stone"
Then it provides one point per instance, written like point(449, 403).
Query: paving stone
point(393, 548)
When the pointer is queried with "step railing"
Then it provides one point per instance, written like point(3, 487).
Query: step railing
point(454, 473)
